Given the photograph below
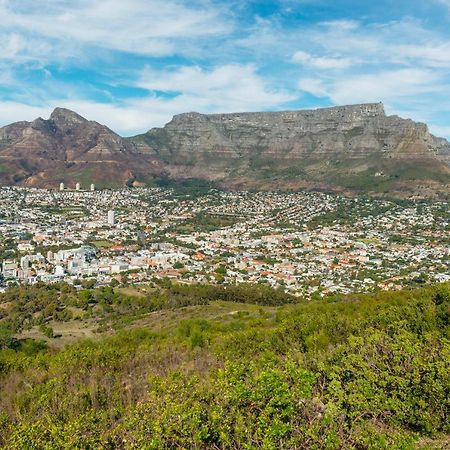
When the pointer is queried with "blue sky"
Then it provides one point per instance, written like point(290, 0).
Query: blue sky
point(134, 64)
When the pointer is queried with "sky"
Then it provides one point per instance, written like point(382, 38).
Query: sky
point(133, 64)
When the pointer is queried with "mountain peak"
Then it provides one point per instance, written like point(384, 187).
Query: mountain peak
point(349, 148)
point(363, 110)
point(66, 115)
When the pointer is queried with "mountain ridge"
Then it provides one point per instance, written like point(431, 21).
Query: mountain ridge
point(351, 148)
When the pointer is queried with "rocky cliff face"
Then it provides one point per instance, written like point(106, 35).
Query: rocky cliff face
point(349, 148)
point(66, 147)
point(354, 147)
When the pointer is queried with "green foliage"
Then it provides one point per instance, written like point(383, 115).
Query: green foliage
point(6, 336)
point(353, 372)
point(204, 222)
point(221, 270)
point(178, 265)
point(195, 330)
point(47, 331)
point(193, 187)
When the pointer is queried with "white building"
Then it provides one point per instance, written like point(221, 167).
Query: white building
point(25, 262)
point(59, 271)
point(75, 266)
point(9, 269)
point(119, 266)
point(84, 253)
point(111, 217)
point(25, 247)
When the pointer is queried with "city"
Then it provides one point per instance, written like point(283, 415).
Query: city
point(310, 244)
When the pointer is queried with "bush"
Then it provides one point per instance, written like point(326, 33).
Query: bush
point(47, 331)
point(353, 372)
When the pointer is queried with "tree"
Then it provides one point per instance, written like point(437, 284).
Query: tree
point(222, 270)
point(46, 330)
point(6, 337)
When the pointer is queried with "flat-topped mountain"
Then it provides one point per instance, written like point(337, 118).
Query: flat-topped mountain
point(350, 147)
point(345, 148)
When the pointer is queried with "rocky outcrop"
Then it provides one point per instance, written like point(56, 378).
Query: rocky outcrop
point(354, 147)
point(357, 131)
point(67, 147)
point(349, 148)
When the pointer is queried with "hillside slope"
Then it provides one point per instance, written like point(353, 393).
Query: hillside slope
point(353, 147)
point(350, 148)
point(353, 372)
point(68, 148)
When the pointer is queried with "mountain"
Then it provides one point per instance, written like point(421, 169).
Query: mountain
point(353, 147)
point(346, 148)
point(68, 148)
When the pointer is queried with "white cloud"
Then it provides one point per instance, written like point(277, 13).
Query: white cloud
point(223, 86)
point(12, 45)
point(391, 86)
point(322, 62)
point(150, 27)
point(15, 112)
point(404, 42)
point(314, 86)
point(440, 130)
point(444, 2)
point(430, 54)
point(388, 85)
point(228, 88)
point(17, 48)
point(340, 25)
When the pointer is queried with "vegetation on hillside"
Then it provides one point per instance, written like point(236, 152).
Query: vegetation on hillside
point(360, 371)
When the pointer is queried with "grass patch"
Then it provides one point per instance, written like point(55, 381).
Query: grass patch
point(102, 244)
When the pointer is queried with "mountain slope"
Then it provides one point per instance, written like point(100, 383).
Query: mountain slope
point(348, 148)
point(69, 148)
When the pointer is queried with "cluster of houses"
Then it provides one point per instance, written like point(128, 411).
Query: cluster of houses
point(306, 242)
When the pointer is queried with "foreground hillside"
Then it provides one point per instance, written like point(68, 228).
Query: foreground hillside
point(212, 367)
point(356, 148)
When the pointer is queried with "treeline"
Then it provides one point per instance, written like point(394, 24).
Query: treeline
point(353, 372)
point(27, 306)
point(258, 294)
